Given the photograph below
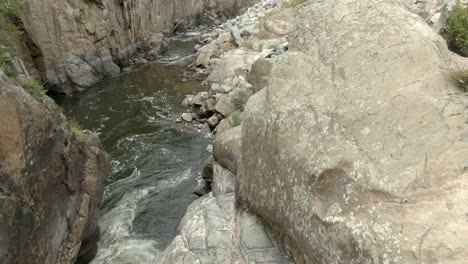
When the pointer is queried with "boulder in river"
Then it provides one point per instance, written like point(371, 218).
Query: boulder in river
point(187, 117)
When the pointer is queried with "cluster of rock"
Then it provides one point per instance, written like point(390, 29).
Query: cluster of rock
point(227, 57)
point(353, 148)
point(51, 184)
point(71, 45)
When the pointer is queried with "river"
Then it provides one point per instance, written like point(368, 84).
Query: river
point(154, 162)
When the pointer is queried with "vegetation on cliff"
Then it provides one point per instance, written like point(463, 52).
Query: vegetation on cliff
point(456, 31)
point(76, 130)
point(34, 89)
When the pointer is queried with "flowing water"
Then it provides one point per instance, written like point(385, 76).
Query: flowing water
point(154, 162)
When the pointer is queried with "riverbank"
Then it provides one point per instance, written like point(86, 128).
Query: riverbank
point(214, 229)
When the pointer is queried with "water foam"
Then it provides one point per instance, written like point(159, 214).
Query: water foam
point(118, 243)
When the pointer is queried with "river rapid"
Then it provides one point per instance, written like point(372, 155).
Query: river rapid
point(155, 162)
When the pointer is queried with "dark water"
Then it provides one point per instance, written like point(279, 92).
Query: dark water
point(154, 162)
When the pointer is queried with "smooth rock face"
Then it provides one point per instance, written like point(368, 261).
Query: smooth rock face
point(223, 180)
point(213, 232)
point(360, 140)
point(50, 185)
point(75, 43)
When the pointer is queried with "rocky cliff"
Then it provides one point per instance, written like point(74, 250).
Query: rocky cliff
point(73, 44)
point(360, 139)
point(51, 183)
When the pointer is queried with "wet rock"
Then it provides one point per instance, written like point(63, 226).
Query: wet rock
point(187, 117)
point(185, 61)
point(188, 101)
point(205, 128)
point(141, 61)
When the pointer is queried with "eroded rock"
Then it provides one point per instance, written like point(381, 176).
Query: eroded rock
point(359, 140)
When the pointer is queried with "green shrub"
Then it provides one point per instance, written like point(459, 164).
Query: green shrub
point(239, 98)
point(461, 79)
point(12, 7)
point(235, 119)
point(76, 130)
point(35, 89)
point(9, 9)
point(456, 30)
point(9, 70)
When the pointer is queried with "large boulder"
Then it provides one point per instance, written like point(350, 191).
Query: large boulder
point(357, 149)
point(213, 232)
point(51, 183)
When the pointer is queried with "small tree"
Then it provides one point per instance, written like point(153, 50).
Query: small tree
point(456, 31)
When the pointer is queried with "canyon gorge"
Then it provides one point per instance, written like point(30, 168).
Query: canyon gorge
point(234, 131)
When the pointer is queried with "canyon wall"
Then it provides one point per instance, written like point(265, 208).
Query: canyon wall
point(51, 182)
point(73, 44)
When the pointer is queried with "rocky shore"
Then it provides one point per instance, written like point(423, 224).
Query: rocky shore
point(225, 56)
